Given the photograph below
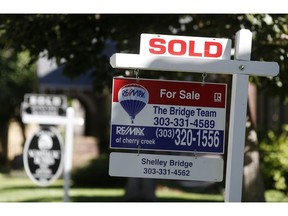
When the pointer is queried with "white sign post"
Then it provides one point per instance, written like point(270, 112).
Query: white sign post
point(68, 121)
point(237, 126)
point(182, 55)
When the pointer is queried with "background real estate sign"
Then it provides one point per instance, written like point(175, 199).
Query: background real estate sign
point(43, 156)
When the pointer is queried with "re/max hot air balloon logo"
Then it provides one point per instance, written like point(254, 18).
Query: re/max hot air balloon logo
point(133, 98)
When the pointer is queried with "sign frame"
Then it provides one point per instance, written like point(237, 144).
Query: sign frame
point(68, 120)
point(240, 69)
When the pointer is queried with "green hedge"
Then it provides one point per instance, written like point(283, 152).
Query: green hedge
point(274, 160)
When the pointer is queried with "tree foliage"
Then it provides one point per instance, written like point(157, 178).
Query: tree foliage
point(79, 40)
point(274, 157)
point(17, 77)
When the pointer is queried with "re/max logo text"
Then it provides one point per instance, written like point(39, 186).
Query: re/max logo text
point(133, 92)
point(136, 131)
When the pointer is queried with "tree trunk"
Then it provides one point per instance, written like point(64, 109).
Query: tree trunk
point(253, 185)
point(140, 190)
point(4, 143)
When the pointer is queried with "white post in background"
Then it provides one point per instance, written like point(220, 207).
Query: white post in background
point(68, 152)
point(237, 125)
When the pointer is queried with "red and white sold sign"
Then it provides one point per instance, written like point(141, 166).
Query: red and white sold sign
point(184, 46)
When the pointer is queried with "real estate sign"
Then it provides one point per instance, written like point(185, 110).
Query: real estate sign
point(168, 115)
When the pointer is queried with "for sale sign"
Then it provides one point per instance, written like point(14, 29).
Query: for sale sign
point(168, 115)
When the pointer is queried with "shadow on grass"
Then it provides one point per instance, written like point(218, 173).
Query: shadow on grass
point(120, 199)
point(177, 196)
point(115, 199)
point(58, 197)
point(24, 187)
point(96, 199)
point(44, 199)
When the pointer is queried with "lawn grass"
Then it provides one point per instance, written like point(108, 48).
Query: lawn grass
point(17, 187)
point(21, 189)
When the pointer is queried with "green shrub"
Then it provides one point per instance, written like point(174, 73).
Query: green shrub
point(4, 169)
point(274, 160)
point(96, 174)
